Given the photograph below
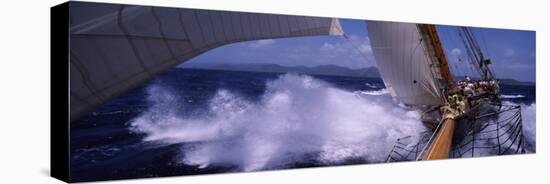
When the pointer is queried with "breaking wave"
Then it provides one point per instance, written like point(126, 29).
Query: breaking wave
point(298, 119)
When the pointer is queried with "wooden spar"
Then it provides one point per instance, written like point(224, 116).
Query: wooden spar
point(440, 147)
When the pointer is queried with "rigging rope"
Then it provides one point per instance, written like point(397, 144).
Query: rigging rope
point(481, 33)
point(498, 133)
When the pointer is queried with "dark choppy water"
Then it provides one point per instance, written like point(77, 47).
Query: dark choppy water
point(191, 121)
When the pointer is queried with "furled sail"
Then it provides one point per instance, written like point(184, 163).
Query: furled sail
point(114, 48)
point(405, 63)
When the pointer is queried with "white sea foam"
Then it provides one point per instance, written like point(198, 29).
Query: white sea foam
point(511, 96)
point(298, 119)
point(382, 91)
point(371, 85)
point(528, 114)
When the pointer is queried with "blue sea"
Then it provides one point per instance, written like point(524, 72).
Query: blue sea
point(197, 121)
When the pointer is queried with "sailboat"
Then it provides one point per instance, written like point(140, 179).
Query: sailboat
point(465, 117)
point(114, 48)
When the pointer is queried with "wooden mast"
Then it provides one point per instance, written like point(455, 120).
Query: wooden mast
point(440, 146)
point(431, 33)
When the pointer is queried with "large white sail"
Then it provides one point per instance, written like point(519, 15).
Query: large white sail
point(114, 48)
point(404, 62)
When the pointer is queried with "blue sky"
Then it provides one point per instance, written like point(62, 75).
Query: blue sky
point(512, 51)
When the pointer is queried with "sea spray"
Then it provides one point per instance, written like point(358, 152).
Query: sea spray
point(528, 114)
point(298, 119)
point(181, 96)
point(511, 96)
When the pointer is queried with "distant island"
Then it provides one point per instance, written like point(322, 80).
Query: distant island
point(332, 70)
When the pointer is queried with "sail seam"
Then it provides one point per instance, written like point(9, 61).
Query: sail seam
point(163, 37)
point(130, 41)
point(184, 28)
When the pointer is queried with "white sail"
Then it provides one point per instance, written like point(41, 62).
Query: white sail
point(114, 48)
point(404, 62)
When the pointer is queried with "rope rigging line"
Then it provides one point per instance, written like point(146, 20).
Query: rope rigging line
point(500, 134)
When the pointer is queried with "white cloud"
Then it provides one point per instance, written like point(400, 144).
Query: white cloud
point(365, 48)
point(518, 66)
point(355, 52)
point(327, 47)
point(305, 51)
point(454, 55)
point(333, 50)
point(361, 44)
point(262, 43)
point(509, 52)
point(456, 52)
point(355, 46)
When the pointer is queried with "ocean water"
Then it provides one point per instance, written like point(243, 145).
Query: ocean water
point(192, 121)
